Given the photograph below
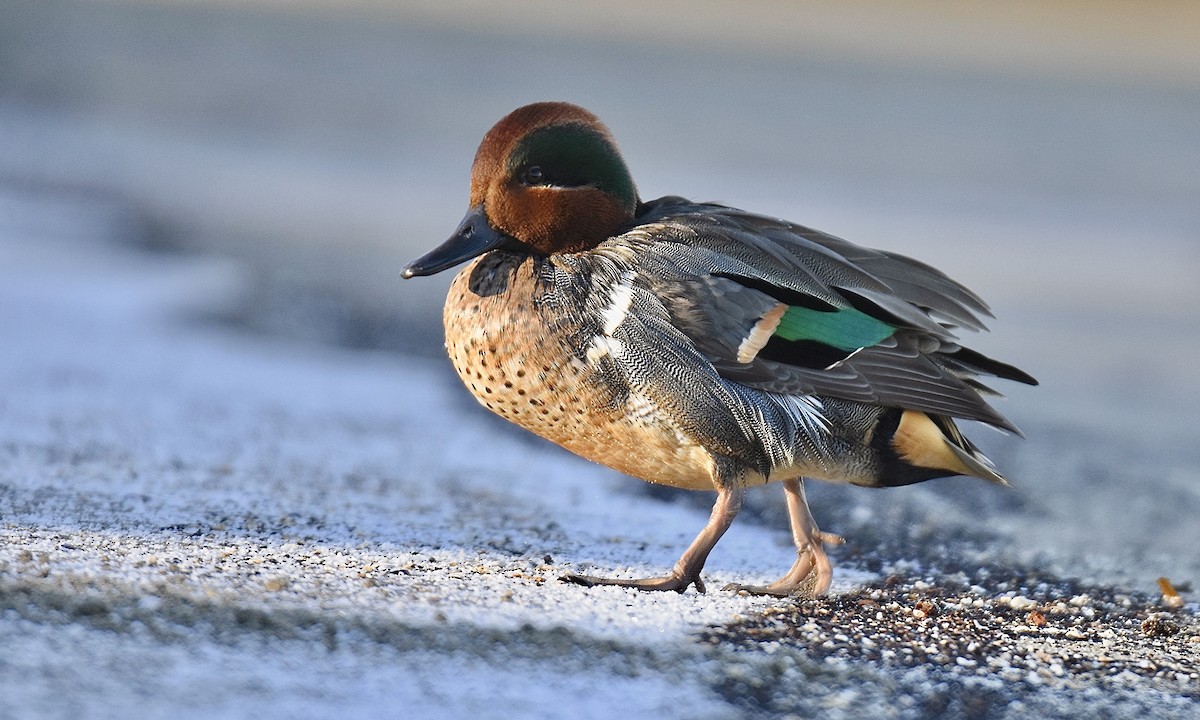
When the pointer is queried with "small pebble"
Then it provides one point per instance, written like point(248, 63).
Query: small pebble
point(1020, 602)
point(1158, 627)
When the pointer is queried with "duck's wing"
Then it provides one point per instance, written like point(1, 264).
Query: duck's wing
point(783, 308)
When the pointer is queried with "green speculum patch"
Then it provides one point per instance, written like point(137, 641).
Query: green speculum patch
point(845, 329)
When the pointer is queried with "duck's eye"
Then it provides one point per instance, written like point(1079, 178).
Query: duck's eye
point(533, 175)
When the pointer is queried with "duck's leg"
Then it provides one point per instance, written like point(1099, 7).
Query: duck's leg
point(810, 551)
point(687, 571)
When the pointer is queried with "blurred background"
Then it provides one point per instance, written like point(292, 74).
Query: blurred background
point(1046, 154)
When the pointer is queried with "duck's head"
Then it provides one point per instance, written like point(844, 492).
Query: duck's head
point(547, 178)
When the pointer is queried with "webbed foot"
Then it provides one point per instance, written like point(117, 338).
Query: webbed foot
point(687, 571)
point(674, 581)
point(810, 576)
point(812, 572)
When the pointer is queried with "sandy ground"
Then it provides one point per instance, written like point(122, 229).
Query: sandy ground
point(238, 478)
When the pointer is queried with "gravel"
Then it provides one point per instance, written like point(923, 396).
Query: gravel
point(1028, 633)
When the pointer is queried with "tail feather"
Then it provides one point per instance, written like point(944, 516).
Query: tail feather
point(980, 465)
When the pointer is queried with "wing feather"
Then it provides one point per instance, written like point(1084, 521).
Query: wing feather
point(719, 271)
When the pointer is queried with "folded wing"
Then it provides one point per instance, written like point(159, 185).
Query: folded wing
point(787, 309)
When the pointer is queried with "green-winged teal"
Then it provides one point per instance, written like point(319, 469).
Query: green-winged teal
point(701, 346)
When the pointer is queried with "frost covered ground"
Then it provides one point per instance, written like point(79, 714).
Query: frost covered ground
point(223, 492)
point(221, 525)
point(199, 522)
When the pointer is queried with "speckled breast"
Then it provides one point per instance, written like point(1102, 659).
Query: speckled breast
point(519, 345)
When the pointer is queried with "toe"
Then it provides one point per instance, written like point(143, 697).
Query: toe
point(668, 582)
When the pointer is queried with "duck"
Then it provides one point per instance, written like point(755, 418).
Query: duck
point(700, 346)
